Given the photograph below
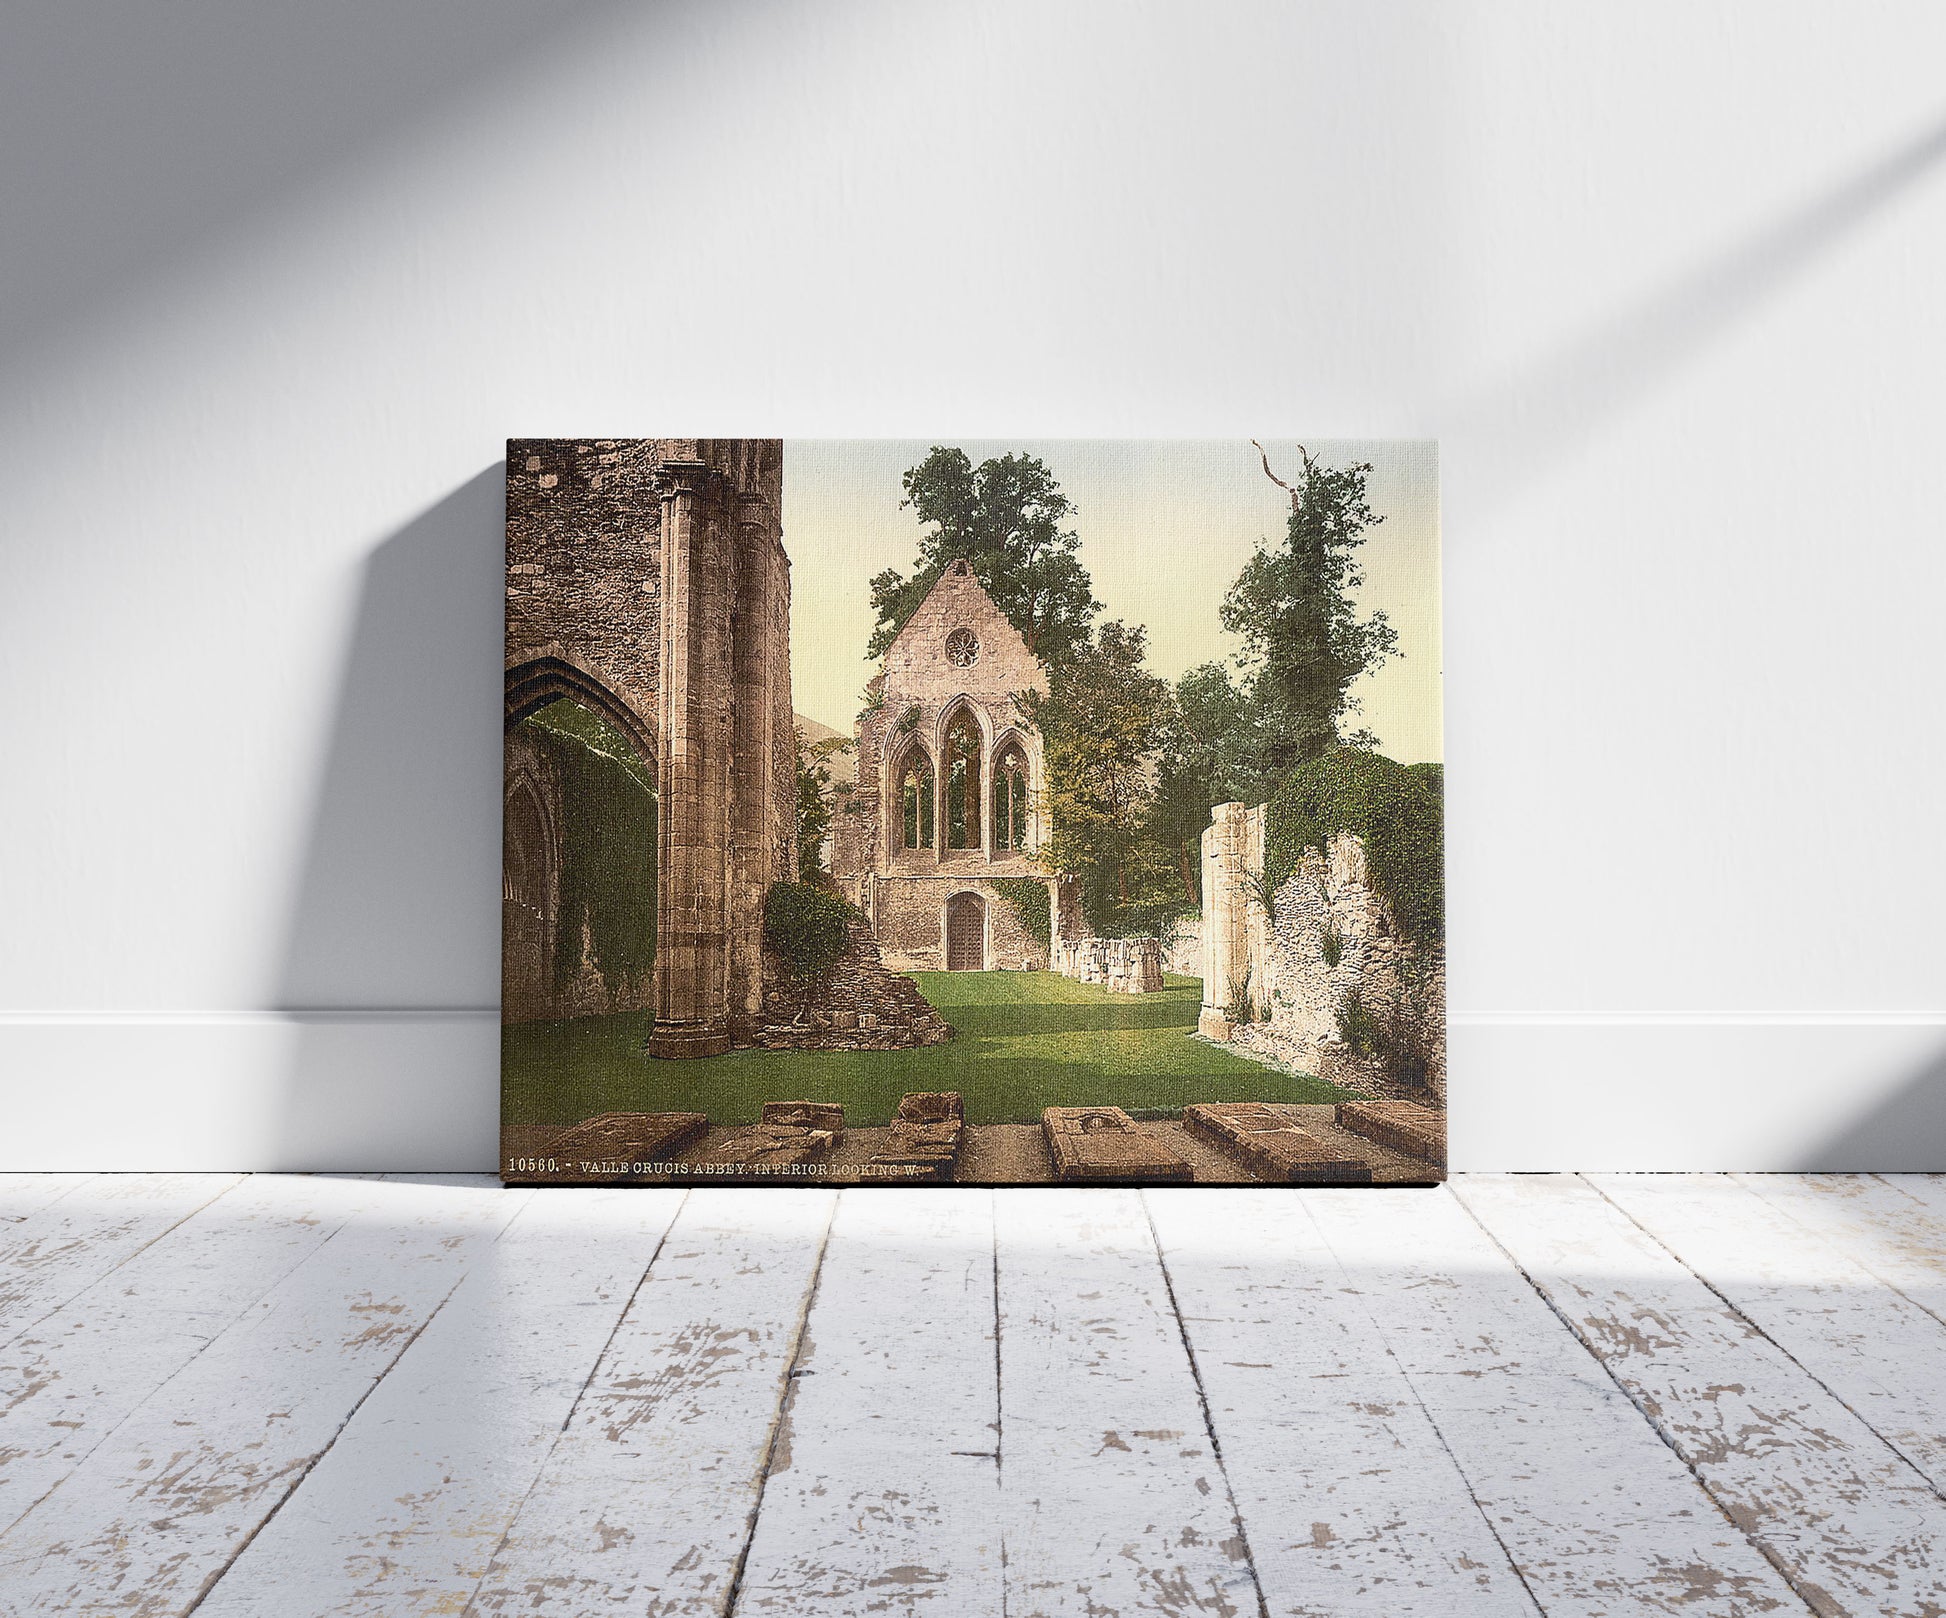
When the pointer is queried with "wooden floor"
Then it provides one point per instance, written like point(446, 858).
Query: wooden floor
point(1601, 1395)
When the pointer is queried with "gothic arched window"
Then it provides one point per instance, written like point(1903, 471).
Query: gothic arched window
point(963, 782)
point(1010, 799)
point(915, 802)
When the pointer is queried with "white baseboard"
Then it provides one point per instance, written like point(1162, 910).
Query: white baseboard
point(251, 1090)
point(404, 1090)
point(1756, 1093)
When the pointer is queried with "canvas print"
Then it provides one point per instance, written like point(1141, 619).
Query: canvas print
point(985, 813)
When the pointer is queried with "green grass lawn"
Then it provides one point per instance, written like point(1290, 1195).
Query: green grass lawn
point(1026, 1040)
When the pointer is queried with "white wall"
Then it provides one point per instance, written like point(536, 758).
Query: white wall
point(1664, 278)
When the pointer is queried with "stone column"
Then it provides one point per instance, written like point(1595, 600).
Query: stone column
point(754, 756)
point(782, 821)
point(693, 769)
point(989, 779)
point(1226, 944)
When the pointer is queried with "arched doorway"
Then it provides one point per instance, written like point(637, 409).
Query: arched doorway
point(966, 933)
point(529, 886)
point(578, 891)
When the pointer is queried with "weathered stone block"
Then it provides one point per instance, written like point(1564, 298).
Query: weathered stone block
point(1104, 1143)
point(1405, 1126)
point(926, 1135)
point(1266, 1137)
point(617, 1145)
point(931, 1107)
point(770, 1147)
point(828, 1116)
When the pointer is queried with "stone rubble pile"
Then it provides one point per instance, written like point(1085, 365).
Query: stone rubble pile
point(859, 1005)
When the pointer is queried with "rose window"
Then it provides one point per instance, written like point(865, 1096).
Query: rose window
point(962, 647)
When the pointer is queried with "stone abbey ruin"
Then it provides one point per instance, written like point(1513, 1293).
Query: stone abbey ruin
point(648, 588)
point(650, 803)
point(941, 821)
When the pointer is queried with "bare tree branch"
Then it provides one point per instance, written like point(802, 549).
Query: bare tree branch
point(1274, 478)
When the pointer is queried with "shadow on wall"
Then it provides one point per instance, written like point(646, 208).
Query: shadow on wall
point(198, 116)
point(391, 969)
point(1907, 1130)
point(1550, 409)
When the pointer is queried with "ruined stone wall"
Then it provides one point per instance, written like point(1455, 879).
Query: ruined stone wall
point(907, 916)
point(1182, 949)
point(535, 856)
point(859, 1005)
point(913, 701)
point(584, 577)
point(647, 580)
point(1126, 965)
point(1278, 981)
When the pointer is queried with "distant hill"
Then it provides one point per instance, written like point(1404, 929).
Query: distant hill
point(843, 766)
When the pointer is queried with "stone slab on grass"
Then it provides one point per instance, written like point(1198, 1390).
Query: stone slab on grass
point(1405, 1126)
point(621, 1145)
point(767, 1148)
point(1104, 1143)
point(1268, 1136)
point(828, 1116)
point(925, 1141)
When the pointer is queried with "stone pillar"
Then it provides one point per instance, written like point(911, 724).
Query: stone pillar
point(1226, 944)
point(754, 755)
point(988, 781)
point(783, 719)
point(692, 979)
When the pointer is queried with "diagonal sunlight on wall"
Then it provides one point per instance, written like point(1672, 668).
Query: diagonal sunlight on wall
point(278, 286)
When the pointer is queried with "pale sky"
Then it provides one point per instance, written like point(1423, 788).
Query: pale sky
point(1165, 527)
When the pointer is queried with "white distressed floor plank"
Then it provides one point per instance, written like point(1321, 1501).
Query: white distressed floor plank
point(1856, 1528)
point(1113, 1500)
point(23, 1194)
point(66, 1245)
point(72, 1378)
point(154, 1514)
point(1876, 1351)
point(1350, 1500)
point(403, 1514)
point(645, 1504)
point(1894, 1224)
point(884, 1494)
point(1597, 1513)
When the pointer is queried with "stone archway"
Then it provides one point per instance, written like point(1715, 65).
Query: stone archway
point(966, 933)
point(647, 582)
point(532, 685)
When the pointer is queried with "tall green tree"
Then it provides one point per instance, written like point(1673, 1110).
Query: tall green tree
point(1006, 517)
point(1304, 641)
point(1099, 726)
point(1206, 754)
point(814, 802)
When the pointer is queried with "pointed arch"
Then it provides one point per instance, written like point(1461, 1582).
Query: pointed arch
point(1012, 794)
point(529, 885)
point(963, 768)
point(913, 809)
point(532, 685)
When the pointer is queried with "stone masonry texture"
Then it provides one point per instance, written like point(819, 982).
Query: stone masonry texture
point(647, 580)
point(1270, 983)
point(915, 700)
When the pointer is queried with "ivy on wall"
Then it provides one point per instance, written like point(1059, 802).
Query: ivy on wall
point(608, 845)
point(1027, 898)
point(1398, 812)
